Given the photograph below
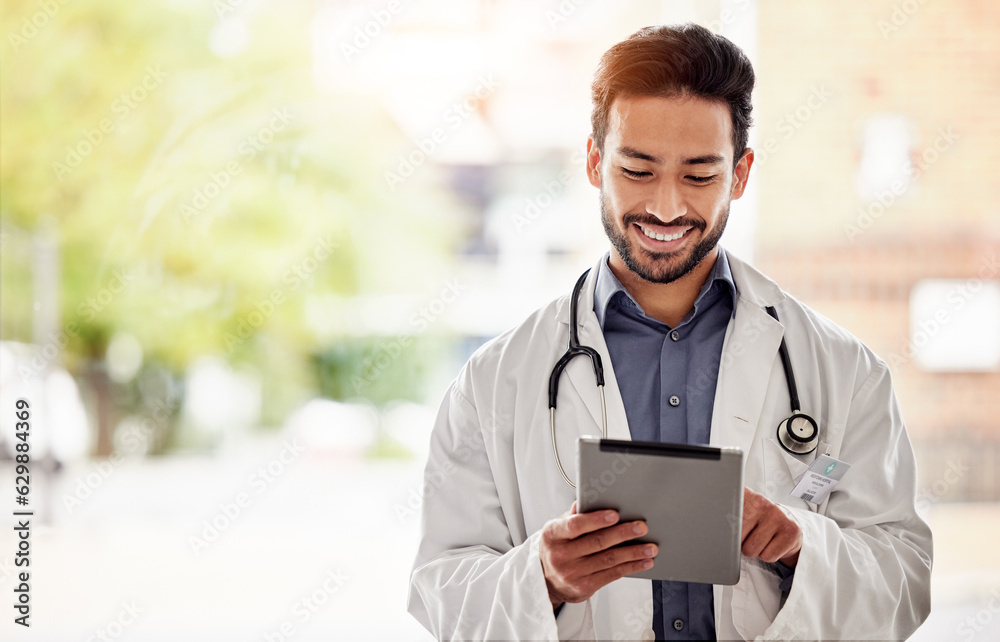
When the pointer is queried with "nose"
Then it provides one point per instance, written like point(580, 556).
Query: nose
point(666, 201)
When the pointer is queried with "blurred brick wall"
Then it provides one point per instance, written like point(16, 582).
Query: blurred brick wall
point(824, 70)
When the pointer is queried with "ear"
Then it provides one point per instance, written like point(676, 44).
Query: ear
point(593, 163)
point(741, 174)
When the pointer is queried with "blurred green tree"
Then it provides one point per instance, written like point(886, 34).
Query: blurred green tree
point(202, 188)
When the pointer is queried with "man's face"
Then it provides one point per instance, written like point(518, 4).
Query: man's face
point(666, 178)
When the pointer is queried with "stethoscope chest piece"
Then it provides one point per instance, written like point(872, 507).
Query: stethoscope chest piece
point(798, 434)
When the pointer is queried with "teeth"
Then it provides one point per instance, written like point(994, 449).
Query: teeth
point(662, 237)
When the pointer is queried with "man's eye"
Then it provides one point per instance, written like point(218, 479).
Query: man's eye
point(701, 179)
point(633, 174)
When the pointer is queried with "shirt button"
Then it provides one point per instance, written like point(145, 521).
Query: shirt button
point(649, 634)
point(675, 400)
point(678, 624)
point(675, 335)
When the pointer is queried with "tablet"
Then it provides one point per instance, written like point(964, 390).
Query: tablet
point(691, 497)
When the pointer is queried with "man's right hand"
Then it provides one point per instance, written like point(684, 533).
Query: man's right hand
point(579, 556)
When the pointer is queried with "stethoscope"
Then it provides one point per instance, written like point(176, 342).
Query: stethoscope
point(799, 434)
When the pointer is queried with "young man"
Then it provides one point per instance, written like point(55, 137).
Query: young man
point(691, 354)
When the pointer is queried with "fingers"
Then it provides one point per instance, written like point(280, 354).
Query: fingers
point(771, 545)
point(778, 549)
point(576, 579)
point(575, 525)
point(572, 568)
point(584, 534)
point(614, 557)
point(579, 553)
point(756, 541)
point(767, 532)
point(606, 538)
point(605, 577)
point(786, 539)
point(751, 511)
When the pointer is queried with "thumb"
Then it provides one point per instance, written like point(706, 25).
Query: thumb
point(572, 509)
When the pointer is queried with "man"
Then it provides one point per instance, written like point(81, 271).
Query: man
point(690, 354)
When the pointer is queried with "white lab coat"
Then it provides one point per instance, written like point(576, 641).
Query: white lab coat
point(491, 483)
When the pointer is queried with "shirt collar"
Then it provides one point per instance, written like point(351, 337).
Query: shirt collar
point(608, 286)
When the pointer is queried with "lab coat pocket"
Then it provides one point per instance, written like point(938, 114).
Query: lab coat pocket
point(781, 469)
point(756, 598)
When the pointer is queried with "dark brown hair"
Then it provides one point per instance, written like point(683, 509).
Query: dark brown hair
point(674, 60)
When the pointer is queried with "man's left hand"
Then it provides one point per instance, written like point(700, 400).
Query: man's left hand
point(767, 532)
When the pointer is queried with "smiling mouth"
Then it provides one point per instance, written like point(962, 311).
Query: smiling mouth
point(663, 237)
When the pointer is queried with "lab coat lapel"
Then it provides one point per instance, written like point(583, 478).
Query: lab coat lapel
point(748, 357)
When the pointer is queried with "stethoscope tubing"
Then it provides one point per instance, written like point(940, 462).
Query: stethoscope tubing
point(575, 350)
point(793, 444)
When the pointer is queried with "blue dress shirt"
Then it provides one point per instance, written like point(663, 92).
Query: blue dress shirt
point(667, 377)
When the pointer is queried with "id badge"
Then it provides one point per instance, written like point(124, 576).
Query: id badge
point(815, 484)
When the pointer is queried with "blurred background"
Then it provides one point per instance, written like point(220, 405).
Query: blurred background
point(246, 244)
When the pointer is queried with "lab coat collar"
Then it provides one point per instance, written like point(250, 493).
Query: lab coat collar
point(608, 286)
point(751, 285)
point(586, 303)
point(748, 353)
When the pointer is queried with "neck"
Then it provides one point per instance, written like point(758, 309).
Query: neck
point(665, 302)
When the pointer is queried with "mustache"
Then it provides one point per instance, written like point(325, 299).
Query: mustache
point(683, 221)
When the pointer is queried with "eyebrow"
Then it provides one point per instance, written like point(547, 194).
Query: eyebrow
point(706, 159)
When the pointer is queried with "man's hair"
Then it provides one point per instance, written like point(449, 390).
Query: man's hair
point(675, 60)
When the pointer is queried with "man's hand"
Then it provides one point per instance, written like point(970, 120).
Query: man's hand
point(578, 558)
point(767, 532)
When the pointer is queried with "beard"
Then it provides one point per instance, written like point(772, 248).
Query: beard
point(661, 267)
